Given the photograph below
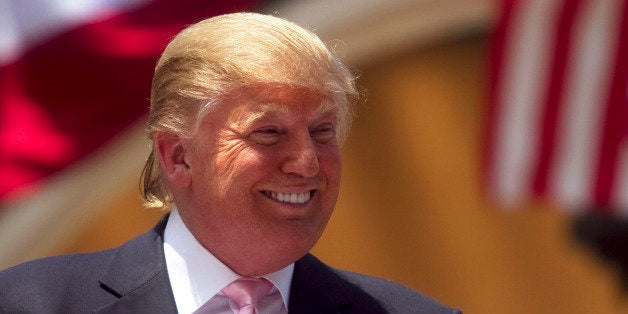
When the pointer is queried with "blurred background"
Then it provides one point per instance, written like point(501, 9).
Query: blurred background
point(487, 166)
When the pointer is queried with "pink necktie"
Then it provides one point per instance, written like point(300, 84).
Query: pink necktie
point(247, 292)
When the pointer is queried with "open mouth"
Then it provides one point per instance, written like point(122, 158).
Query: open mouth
point(292, 198)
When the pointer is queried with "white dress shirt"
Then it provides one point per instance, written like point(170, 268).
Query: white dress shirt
point(197, 276)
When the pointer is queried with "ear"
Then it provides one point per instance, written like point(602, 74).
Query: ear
point(171, 152)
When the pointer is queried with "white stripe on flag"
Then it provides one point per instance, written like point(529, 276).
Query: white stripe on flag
point(527, 54)
point(25, 23)
point(573, 173)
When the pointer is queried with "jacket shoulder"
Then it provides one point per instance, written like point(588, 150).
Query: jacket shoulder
point(319, 288)
point(52, 282)
point(394, 297)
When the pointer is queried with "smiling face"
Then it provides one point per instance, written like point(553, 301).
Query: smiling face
point(264, 173)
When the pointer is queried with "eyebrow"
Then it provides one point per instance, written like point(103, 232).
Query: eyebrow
point(274, 109)
point(267, 110)
point(326, 106)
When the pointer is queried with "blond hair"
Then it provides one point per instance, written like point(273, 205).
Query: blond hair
point(217, 56)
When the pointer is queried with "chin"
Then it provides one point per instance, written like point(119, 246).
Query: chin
point(298, 243)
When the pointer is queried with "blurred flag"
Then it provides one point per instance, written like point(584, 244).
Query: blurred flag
point(75, 73)
point(558, 114)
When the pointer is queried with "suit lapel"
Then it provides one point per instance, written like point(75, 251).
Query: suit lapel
point(317, 288)
point(137, 276)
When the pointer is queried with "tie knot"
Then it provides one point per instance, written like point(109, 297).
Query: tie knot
point(247, 292)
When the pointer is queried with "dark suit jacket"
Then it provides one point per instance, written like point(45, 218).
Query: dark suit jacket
point(133, 278)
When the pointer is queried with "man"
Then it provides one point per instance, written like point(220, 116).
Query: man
point(248, 112)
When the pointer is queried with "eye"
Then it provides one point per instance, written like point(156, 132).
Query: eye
point(323, 133)
point(266, 136)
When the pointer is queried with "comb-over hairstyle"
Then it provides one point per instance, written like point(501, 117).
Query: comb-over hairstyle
point(216, 57)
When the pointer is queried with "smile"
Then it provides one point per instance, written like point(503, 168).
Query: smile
point(292, 198)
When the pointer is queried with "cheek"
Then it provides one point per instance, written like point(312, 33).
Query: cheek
point(331, 166)
point(239, 168)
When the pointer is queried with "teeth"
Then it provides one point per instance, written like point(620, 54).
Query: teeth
point(293, 198)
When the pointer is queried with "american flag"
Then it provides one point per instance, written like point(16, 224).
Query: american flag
point(76, 74)
point(558, 105)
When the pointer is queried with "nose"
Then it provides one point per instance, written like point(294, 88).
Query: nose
point(301, 158)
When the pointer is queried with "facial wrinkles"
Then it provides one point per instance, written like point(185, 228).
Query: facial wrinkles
point(229, 144)
point(229, 148)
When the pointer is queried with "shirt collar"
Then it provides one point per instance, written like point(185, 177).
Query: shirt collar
point(196, 275)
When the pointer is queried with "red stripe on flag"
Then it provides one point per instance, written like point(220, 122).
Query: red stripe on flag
point(616, 120)
point(549, 125)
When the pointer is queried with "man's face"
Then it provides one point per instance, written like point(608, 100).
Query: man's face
point(265, 171)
